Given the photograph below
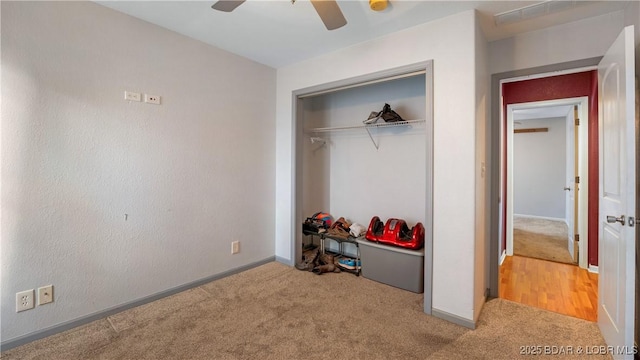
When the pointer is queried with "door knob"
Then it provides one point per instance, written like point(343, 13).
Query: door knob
point(613, 219)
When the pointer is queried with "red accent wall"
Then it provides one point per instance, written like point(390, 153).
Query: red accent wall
point(561, 87)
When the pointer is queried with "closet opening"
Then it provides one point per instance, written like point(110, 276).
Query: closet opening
point(357, 171)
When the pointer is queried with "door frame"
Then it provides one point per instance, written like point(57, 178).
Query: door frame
point(583, 136)
point(493, 245)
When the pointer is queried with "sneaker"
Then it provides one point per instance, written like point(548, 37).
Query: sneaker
point(346, 263)
point(373, 117)
point(349, 263)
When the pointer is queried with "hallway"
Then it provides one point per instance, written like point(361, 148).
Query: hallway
point(562, 288)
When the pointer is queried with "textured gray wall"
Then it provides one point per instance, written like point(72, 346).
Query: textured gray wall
point(191, 175)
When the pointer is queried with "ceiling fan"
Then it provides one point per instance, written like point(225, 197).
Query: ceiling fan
point(328, 10)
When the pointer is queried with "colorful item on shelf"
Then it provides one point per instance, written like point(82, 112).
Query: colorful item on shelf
point(318, 222)
point(396, 233)
point(325, 217)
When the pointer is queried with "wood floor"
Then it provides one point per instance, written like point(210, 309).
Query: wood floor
point(562, 288)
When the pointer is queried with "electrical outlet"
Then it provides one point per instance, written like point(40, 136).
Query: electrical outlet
point(152, 99)
point(45, 295)
point(235, 247)
point(24, 300)
point(131, 96)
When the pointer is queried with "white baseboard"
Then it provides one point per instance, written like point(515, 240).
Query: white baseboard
point(454, 319)
point(503, 256)
point(539, 217)
point(593, 269)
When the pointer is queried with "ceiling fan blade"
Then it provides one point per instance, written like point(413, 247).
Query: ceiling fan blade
point(227, 5)
point(330, 13)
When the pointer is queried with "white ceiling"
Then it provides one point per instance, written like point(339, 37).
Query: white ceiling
point(278, 33)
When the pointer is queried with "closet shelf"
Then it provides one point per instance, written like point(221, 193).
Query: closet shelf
point(364, 126)
point(367, 127)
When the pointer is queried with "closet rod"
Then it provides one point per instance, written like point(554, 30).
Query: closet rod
point(364, 83)
point(390, 124)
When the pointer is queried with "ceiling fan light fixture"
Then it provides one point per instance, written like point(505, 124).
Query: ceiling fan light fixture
point(378, 5)
point(328, 10)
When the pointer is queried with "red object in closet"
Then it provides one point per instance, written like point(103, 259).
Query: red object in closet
point(396, 233)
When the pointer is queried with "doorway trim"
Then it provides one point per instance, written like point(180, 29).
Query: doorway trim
point(494, 130)
point(583, 136)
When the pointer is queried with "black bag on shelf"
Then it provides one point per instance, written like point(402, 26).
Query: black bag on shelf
point(312, 225)
point(389, 115)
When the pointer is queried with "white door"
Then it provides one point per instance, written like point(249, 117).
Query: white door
point(616, 262)
point(569, 187)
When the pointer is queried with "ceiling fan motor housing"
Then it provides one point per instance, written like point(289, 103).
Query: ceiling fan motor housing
point(378, 5)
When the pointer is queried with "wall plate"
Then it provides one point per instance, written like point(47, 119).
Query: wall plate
point(45, 295)
point(152, 99)
point(24, 300)
point(131, 96)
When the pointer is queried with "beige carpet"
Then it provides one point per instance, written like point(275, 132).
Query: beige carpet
point(541, 239)
point(277, 312)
